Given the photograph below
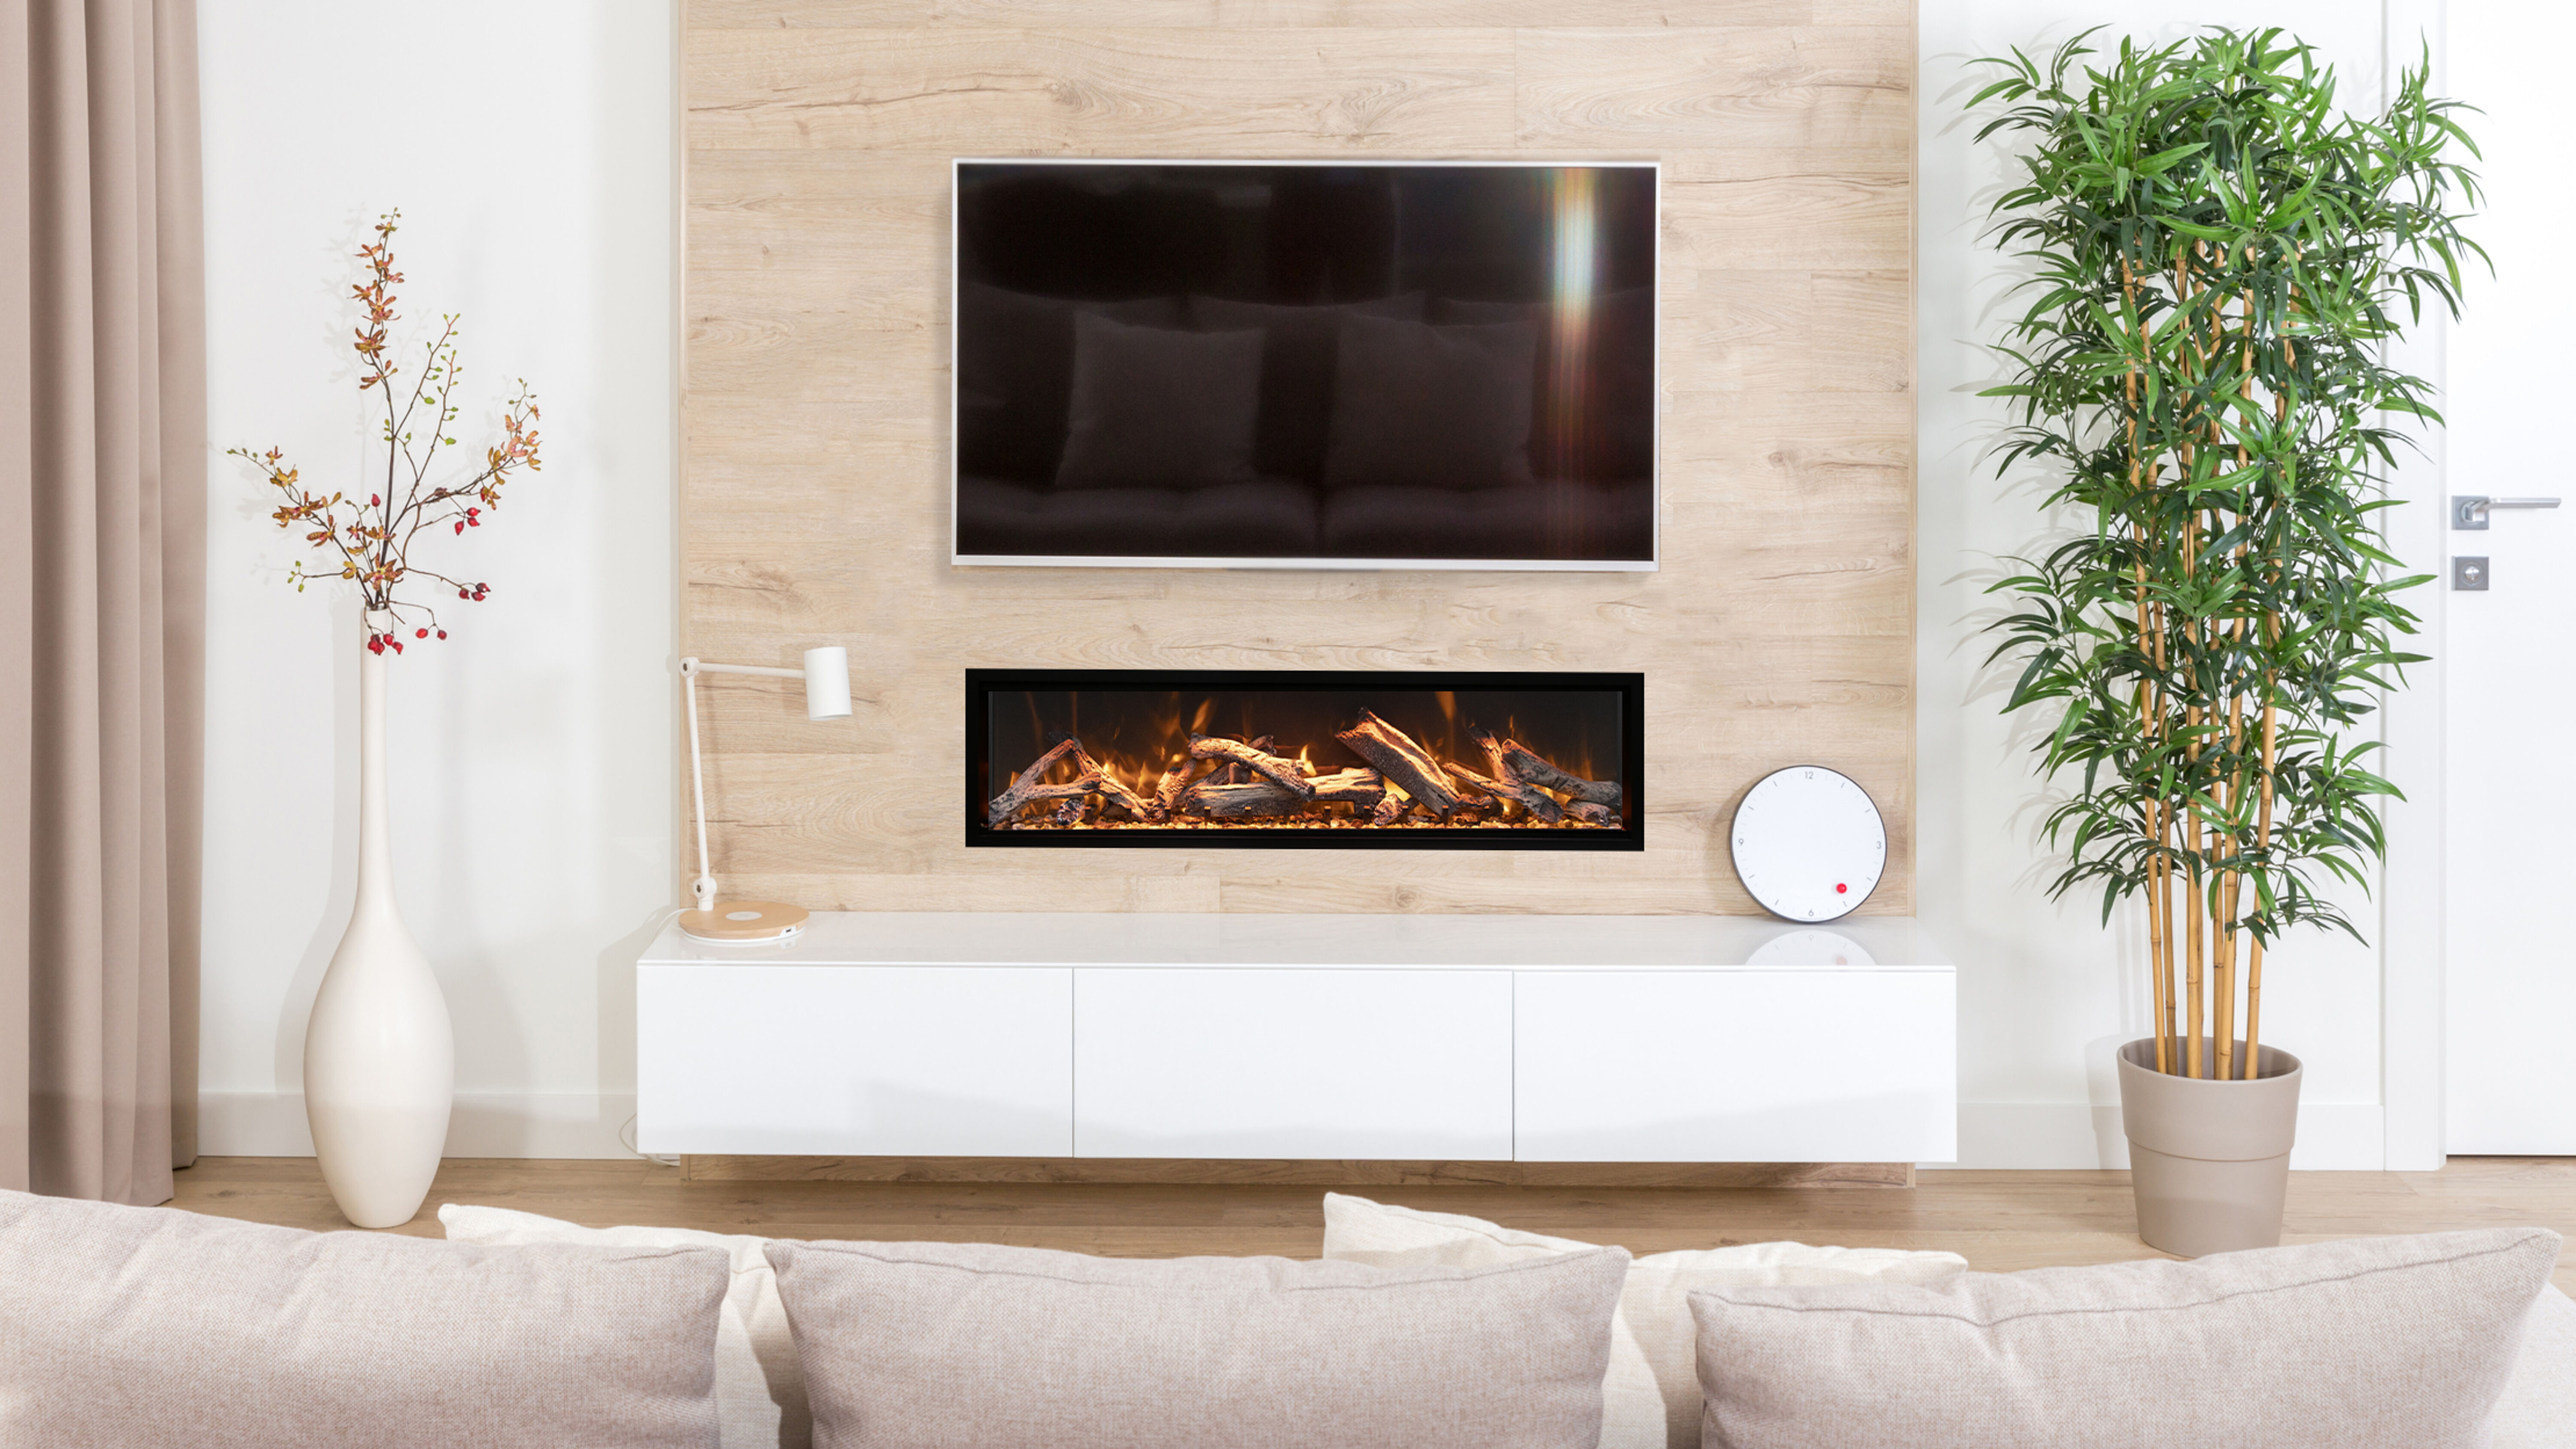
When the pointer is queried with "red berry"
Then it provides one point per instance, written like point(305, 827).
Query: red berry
point(375, 644)
point(420, 634)
point(460, 528)
point(442, 633)
point(462, 594)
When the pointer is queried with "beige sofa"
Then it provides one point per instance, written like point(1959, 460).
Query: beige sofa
point(145, 1327)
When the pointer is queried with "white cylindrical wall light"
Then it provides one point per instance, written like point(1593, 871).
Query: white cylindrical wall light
point(827, 683)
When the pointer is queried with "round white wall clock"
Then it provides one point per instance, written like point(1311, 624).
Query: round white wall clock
point(1808, 844)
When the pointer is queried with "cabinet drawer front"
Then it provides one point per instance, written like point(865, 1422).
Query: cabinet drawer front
point(855, 1061)
point(1737, 1066)
point(1293, 1063)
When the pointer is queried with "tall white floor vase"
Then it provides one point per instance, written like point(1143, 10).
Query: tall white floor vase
point(379, 1054)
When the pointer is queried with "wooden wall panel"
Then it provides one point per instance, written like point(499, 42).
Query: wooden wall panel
point(815, 497)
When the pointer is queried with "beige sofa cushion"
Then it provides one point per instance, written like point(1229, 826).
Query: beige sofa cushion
point(141, 1327)
point(2374, 1341)
point(760, 1388)
point(932, 1345)
point(2538, 1410)
point(1650, 1394)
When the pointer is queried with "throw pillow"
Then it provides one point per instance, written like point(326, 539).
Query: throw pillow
point(1156, 408)
point(760, 1387)
point(140, 1327)
point(2538, 1410)
point(1612, 380)
point(1416, 405)
point(1650, 1391)
point(1015, 374)
point(1298, 345)
point(933, 1345)
point(2324, 1346)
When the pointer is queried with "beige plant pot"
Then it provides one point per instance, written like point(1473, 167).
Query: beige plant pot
point(2208, 1160)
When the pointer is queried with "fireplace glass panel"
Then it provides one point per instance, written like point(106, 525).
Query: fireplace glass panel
point(1286, 758)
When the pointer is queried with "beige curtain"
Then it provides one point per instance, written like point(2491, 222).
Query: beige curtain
point(102, 589)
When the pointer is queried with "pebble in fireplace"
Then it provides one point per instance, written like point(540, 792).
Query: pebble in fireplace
point(1275, 758)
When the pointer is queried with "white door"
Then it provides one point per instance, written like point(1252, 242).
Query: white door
point(2510, 652)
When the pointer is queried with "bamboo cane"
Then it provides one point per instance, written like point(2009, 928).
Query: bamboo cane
point(2160, 905)
point(2232, 881)
point(2271, 757)
point(2262, 842)
point(2159, 964)
point(2223, 928)
point(2196, 915)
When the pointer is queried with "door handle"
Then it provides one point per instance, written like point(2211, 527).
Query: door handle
point(2469, 510)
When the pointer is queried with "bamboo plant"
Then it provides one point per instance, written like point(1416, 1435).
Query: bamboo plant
point(2220, 255)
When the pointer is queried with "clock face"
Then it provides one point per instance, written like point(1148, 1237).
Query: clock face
point(1808, 844)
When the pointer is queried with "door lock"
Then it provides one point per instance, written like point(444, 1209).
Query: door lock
point(2469, 510)
point(2469, 574)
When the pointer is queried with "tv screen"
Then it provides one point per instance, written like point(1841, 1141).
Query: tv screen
point(1322, 365)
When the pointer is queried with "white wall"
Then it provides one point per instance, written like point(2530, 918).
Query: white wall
point(529, 147)
point(2045, 991)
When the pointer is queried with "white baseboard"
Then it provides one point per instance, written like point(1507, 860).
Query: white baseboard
point(2333, 1136)
point(485, 1124)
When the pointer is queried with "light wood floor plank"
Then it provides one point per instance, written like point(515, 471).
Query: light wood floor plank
point(1999, 1221)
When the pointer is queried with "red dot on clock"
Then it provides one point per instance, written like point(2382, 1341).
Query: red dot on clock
point(1840, 889)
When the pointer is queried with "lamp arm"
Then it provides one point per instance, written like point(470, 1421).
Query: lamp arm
point(827, 696)
point(704, 887)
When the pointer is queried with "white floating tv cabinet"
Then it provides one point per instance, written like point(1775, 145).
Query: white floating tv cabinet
point(1595, 1039)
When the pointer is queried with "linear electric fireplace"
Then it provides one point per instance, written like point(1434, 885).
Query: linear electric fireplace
point(1440, 760)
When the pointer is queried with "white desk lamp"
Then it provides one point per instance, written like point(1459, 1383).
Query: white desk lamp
point(751, 923)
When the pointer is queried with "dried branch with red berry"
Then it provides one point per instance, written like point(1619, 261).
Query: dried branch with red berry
point(371, 542)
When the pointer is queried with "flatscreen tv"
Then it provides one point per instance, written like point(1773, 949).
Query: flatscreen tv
point(1305, 364)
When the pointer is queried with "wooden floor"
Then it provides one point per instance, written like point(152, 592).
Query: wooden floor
point(1999, 1221)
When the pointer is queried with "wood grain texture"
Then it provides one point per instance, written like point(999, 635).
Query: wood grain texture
point(819, 135)
point(1299, 1174)
point(1271, 14)
point(2000, 1221)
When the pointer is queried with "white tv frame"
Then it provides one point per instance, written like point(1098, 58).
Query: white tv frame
point(1149, 561)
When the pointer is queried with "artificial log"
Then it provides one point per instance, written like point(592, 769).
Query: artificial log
point(1517, 761)
point(1401, 761)
point(1591, 813)
point(1235, 773)
point(1025, 787)
point(1283, 773)
point(1111, 788)
point(1028, 788)
point(1238, 802)
point(1074, 791)
point(1363, 788)
point(1167, 791)
point(1541, 805)
point(1391, 805)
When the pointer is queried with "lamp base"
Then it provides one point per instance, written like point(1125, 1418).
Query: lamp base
point(743, 923)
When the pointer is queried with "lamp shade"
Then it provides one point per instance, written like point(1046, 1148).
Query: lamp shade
point(827, 683)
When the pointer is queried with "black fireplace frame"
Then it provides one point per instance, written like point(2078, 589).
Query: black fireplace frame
point(1629, 835)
